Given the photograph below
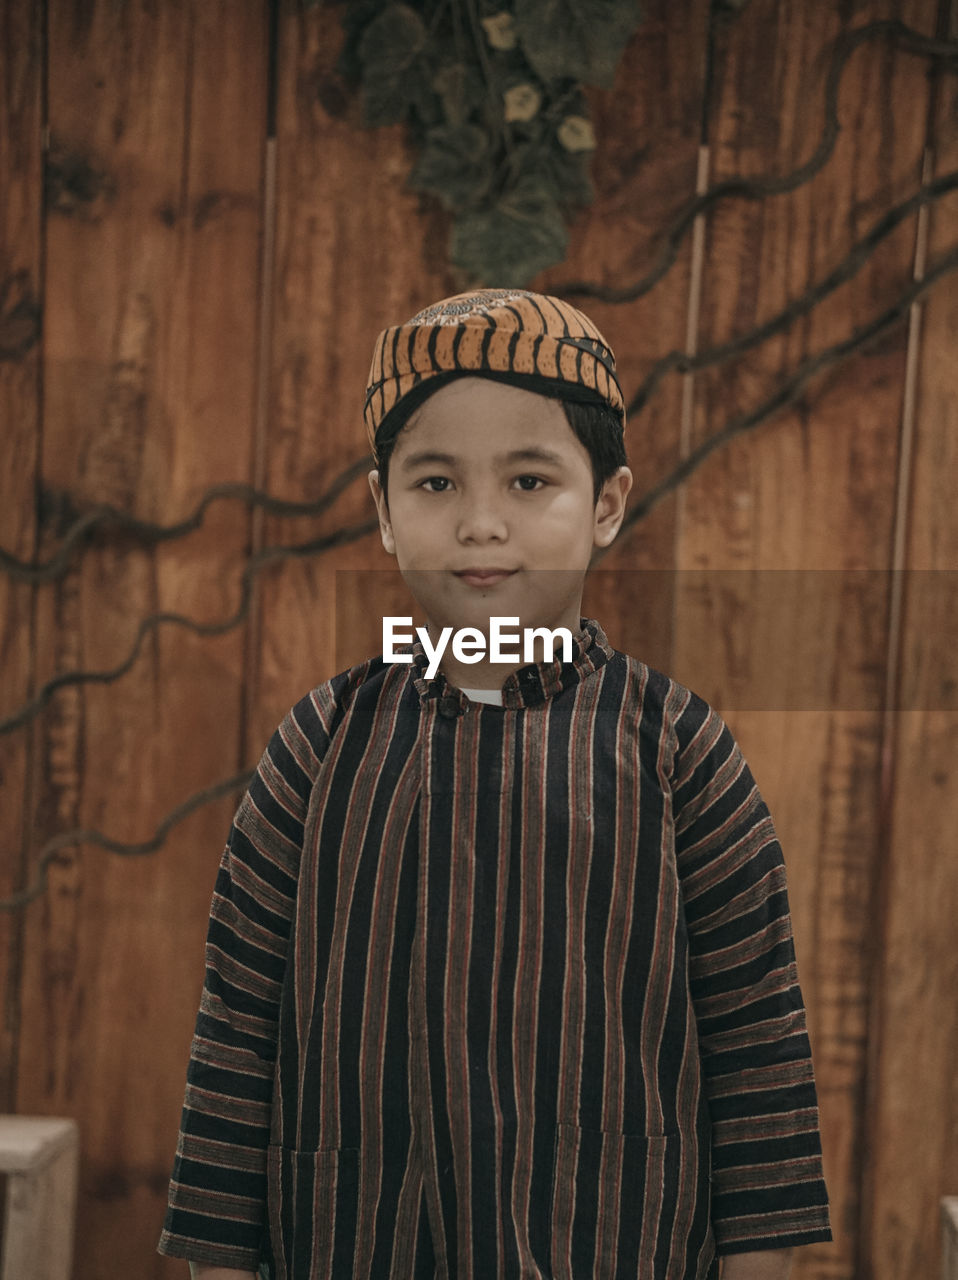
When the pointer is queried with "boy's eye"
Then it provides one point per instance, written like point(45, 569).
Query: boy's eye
point(439, 484)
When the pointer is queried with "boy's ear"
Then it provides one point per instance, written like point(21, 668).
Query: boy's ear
point(610, 508)
point(382, 506)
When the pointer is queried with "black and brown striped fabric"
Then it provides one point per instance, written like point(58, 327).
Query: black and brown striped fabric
point(499, 991)
point(508, 332)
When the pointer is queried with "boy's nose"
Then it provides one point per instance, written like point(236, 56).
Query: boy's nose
point(480, 520)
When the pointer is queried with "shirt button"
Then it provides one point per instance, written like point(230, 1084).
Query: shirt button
point(449, 706)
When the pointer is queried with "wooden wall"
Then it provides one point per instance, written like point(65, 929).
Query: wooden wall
point(184, 302)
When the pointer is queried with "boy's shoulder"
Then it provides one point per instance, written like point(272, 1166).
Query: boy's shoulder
point(678, 725)
point(663, 695)
point(321, 709)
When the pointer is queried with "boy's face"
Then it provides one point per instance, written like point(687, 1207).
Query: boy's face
point(491, 476)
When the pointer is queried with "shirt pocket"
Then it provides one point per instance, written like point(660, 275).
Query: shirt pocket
point(607, 1190)
point(312, 1199)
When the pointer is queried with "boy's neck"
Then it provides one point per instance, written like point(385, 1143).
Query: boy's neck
point(478, 675)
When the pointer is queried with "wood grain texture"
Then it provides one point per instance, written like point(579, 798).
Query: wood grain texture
point(649, 130)
point(352, 252)
point(812, 492)
point(764, 585)
point(912, 1116)
point(21, 163)
point(154, 202)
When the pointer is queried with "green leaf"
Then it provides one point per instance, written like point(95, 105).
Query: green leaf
point(575, 39)
point(395, 74)
point(461, 90)
point(356, 17)
point(514, 240)
point(571, 174)
point(454, 164)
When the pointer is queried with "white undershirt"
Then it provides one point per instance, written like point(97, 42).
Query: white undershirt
point(493, 696)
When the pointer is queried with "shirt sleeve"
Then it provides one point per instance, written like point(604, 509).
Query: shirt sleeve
point(216, 1210)
point(768, 1187)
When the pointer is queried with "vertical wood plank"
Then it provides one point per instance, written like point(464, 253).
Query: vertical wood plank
point(649, 130)
point(912, 1119)
point(21, 163)
point(352, 254)
point(157, 118)
point(813, 491)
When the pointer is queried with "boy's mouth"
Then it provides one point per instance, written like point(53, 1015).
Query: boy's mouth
point(483, 577)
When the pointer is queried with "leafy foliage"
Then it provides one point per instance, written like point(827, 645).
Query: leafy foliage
point(395, 74)
point(579, 39)
point(491, 91)
point(523, 232)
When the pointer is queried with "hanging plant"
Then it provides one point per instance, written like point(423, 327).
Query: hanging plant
point(492, 94)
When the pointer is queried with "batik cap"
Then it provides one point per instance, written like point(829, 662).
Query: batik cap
point(529, 339)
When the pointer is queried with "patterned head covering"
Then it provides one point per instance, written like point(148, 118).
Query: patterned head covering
point(528, 339)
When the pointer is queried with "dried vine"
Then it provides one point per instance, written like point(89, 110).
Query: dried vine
point(47, 855)
point(943, 52)
point(791, 389)
point(104, 517)
point(254, 566)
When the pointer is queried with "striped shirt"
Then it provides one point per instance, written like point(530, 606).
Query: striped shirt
point(499, 991)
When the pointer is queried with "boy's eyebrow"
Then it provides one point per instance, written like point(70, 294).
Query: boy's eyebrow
point(449, 460)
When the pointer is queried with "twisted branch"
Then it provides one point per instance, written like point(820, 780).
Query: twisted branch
point(680, 362)
point(788, 392)
point(944, 51)
point(52, 847)
point(78, 535)
point(254, 566)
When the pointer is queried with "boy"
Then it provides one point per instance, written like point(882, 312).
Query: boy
point(500, 977)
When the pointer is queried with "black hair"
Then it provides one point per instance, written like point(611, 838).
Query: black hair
point(596, 425)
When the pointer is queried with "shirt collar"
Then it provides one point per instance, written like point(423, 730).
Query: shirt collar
point(530, 685)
